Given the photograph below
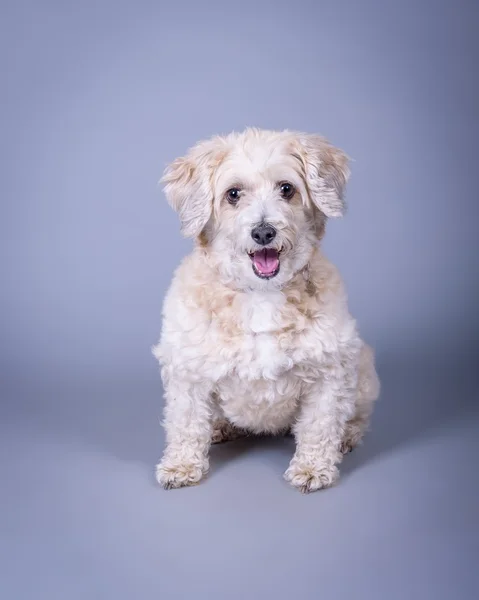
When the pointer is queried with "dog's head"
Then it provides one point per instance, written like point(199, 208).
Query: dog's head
point(258, 201)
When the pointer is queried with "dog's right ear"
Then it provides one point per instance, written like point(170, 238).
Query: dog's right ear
point(188, 187)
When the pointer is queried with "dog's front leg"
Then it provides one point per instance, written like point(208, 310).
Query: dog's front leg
point(188, 425)
point(324, 410)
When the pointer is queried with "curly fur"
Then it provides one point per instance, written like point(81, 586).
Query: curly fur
point(240, 354)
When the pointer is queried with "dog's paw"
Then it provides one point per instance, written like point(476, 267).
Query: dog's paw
point(353, 437)
point(346, 447)
point(224, 431)
point(172, 474)
point(309, 477)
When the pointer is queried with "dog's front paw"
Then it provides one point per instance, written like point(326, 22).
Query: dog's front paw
point(175, 473)
point(309, 477)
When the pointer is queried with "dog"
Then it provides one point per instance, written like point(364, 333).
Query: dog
point(256, 335)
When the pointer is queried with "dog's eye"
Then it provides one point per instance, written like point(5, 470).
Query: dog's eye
point(232, 195)
point(287, 190)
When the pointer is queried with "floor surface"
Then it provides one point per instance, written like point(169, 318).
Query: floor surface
point(82, 518)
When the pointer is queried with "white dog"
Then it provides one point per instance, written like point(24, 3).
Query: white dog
point(256, 336)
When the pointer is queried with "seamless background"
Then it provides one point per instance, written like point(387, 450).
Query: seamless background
point(96, 98)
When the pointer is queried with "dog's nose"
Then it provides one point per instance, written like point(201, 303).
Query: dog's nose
point(263, 234)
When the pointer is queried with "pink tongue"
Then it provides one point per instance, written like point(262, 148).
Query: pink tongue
point(266, 260)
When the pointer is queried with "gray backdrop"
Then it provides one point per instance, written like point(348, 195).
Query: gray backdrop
point(96, 98)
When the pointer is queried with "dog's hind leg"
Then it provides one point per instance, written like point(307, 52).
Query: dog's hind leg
point(224, 431)
point(367, 394)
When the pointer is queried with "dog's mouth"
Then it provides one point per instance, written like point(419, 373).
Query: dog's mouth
point(265, 262)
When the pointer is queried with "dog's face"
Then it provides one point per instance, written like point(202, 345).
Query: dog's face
point(258, 202)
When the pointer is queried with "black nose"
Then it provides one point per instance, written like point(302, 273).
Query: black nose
point(263, 234)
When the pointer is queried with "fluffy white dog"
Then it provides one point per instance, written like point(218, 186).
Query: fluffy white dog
point(256, 336)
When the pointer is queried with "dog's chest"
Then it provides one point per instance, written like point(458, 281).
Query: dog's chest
point(259, 391)
point(256, 346)
point(261, 313)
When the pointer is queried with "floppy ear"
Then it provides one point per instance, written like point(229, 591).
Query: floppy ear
point(326, 172)
point(188, 187)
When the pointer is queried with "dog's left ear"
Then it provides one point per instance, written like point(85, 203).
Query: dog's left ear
point(326, 172)
point(188, 186)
